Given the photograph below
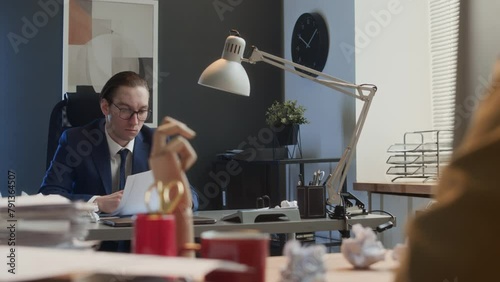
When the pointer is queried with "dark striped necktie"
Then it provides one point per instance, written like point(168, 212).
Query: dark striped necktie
point(123, 157)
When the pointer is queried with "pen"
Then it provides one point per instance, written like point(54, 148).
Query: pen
point(321, 174)
point(328, 178)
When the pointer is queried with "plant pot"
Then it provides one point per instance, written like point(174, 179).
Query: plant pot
point(286, 135)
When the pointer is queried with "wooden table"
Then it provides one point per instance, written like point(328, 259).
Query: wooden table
point(339, 269)
point(423, 190)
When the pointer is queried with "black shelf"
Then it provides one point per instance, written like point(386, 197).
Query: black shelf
point(260, 177)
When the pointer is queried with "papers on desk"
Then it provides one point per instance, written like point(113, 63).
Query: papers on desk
point(45, 263)
point(40, 220)
point(132, 201)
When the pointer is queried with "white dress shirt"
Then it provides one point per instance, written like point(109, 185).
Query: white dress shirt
point(115, 161)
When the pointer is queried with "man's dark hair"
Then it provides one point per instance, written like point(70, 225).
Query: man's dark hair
point(124, 78)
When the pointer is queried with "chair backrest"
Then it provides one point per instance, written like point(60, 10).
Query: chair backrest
point(76, 109)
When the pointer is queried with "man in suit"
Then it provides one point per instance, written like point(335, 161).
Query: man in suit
point(91, 162)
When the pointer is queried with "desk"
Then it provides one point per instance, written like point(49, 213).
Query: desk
point(399, 189)
point(338, 269)
point(62, 265)
point(98, 231)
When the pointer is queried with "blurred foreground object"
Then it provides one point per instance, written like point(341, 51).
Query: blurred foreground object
point(43, 221)
point(441, 247)
point(305, 264)
point(364, 249)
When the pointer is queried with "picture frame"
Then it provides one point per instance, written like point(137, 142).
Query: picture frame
point(104, 37)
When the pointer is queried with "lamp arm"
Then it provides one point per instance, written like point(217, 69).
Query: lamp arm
point(322, 78)
point(339, 174)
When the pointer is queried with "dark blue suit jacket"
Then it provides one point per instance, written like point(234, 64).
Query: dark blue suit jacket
point(81, 167)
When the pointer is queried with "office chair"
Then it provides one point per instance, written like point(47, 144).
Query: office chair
point(76, 109)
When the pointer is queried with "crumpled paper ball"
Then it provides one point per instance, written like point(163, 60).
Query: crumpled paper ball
point(305, 264)
point(288, 204)
point(364, 249)
point(399, 251)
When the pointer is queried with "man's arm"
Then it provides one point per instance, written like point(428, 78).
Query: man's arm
point(59, 178)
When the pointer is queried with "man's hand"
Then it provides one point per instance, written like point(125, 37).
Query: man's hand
point(109, 203)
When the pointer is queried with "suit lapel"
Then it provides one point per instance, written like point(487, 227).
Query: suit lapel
point(102, 160)
point(141, 155)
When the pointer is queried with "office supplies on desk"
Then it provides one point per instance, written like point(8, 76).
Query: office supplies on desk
point(128, 221)
point(311, 201)
point(327, 179)
point(263, 215)
point(305, 263)
point(46, 264)
point(245, 247)
point(39, 220)
point(118, 222)
point(321, 174)
point(263, 202)
point(348, 209)
point(199, 220)
point(364, 249)
point(155, 234)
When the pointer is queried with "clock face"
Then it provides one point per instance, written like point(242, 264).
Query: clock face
point(310, 42)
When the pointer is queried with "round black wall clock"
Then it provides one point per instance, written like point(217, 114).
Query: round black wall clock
point(310, 42)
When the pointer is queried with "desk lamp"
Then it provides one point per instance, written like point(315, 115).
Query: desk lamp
point(228, 74)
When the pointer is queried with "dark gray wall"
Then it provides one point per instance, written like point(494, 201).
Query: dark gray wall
point(30, 85)
point(191, 36)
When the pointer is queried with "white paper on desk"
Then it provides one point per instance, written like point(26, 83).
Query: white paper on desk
point(46, 263)
point(133, 195)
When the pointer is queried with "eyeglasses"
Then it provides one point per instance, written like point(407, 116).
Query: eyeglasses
point(127, 114)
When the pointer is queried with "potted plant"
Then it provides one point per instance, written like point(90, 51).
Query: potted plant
point(284, 119)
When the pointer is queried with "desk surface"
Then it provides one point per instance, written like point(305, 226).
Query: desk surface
point(338, 269)
point(98, 231)
point(288, 161)
point(61, 265)
point(409, 189)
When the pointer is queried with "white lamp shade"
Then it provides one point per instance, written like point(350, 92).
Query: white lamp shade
point(226, 76)
point(227, 73)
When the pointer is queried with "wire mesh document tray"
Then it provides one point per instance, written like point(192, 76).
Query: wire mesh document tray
point(422, 155)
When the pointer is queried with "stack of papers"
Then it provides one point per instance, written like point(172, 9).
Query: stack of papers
point(62, 265)
point(40, 220)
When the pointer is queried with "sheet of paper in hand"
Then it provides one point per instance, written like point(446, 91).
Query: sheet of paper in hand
point(133, 195)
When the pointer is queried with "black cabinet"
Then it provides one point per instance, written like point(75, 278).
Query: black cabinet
point(242, 182)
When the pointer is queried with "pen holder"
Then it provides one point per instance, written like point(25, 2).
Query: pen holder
point(154, 234)
point(311, 201)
